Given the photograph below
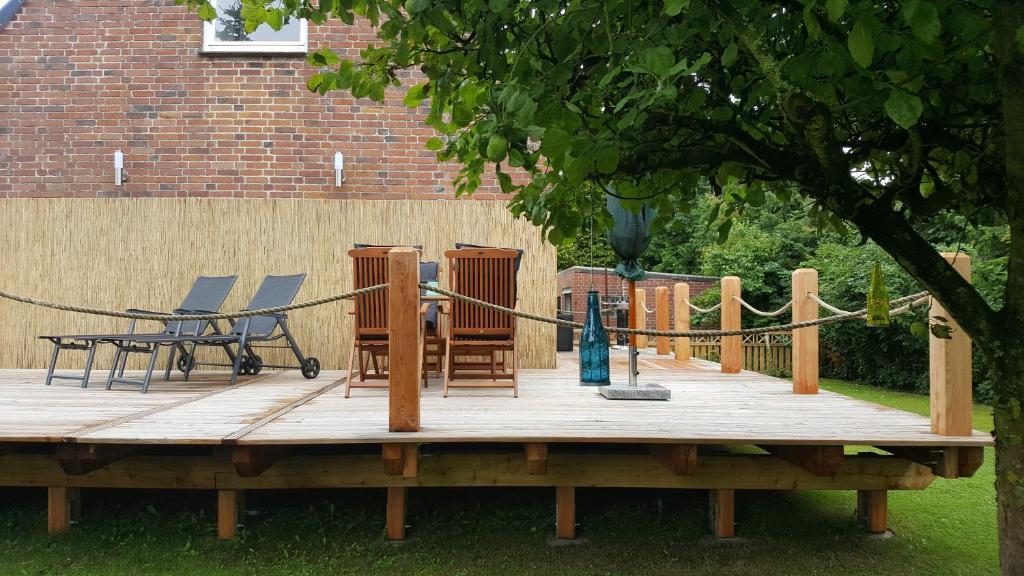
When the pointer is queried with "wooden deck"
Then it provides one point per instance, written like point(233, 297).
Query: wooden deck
point(707, 407)
point(719, 432)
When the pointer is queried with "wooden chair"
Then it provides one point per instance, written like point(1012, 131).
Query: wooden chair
point(474, 331)
point(370, 335)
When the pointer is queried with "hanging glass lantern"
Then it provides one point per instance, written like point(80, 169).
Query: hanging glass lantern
point(878, 299)
point(593, 345)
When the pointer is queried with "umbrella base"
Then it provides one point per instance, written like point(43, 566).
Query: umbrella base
point(641, 392)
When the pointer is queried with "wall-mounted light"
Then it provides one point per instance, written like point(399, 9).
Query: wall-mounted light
point(120, 175)
point(339, 169)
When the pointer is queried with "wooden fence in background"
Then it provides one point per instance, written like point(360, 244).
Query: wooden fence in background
point(769, 353)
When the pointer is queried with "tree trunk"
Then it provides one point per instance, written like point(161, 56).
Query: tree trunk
point(1008, 17)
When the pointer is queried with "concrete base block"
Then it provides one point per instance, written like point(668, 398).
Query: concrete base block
point(639, 392)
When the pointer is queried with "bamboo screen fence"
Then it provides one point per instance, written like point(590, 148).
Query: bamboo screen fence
point(145, 253)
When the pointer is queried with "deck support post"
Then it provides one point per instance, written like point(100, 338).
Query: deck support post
point(251, 461)
point(395, 523)
point(873, 509)
point(661, 318)
point(401, 459)
point(64, 506)
point(641, 318)
point(824, 460)
point(230, 511)
point(722, 509)
point(680, 296)
point(805, 340)
point(950, 367)
point(680, 459)
point(565, 512)
point(404, 348)
point(536, 457)
point(731, 346)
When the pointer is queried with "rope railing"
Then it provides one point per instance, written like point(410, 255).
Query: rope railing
point(826, 305)
point(778, 312)
point(700, 310)
point(190, 317)
point(906, 303)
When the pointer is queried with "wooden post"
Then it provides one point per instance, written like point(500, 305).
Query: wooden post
point(565, 512)
point(63, 506)
point(681, 295)
point(661, 317)
point(404, 350)
point(732, 346)
point(723, 513)
point(873, 509)
point(805, 340)
point(641, 317)
point(396, 512)
point(950, 367)
point(229, 505)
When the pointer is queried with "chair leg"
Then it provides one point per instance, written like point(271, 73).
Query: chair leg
point(373, 358)
point(494, 366)
point(170, 362)
point(238, 361)
point(150, 367)
point(113, 367)
point(351, 361)
point(88, 365)
point(124, 363)
point(53, 364)
point(448, 372)
point(191, 361)
point(515, 375)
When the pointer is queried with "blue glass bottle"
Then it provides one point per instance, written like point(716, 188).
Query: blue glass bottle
point(593, 345)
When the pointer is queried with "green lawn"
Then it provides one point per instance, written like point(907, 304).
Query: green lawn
point(947, 529)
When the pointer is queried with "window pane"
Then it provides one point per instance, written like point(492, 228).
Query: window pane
point(229, 26)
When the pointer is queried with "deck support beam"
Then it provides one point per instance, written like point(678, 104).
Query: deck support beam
point(565, 512)
point(81, 459)
point(680, 459)
point(401, 459)
point(395, 516)
point(63, 506)
point(873, 509)
point(818, 460)
point(536, 457)
point(945, 462)
point(251, 461)
point(230, 511)
point(722, 509)
point(731, 348)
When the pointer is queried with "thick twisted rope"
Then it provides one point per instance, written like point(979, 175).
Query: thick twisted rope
point(189, 317)
point(826, 305)
point(700, 310)
point(907, 302)
point(778, 312)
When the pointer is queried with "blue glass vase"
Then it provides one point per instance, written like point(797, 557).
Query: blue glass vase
point(593, 345)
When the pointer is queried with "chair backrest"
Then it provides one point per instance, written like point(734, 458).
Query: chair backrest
point(207, 295)
point(486, 274)
point(519, 252)
point(370, 268)
point(274, 291)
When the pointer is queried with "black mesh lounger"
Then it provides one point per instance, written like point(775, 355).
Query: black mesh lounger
point(206, 295)
point(273, 292)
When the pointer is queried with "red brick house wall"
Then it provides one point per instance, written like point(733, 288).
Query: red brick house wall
point(578, 278)
point(81, 79)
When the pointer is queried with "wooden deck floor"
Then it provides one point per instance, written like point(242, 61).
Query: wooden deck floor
point(707, 407)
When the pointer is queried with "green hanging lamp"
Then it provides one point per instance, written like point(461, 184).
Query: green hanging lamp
point(878, 299)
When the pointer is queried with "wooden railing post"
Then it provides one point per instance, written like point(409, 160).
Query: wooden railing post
point(950, 367)
point(641, 317)
point(682, 319)
point(404, 350)
point(661, 317)
point(805, 340)
point(732, 346)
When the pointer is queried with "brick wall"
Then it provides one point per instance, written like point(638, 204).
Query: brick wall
point(81, 79)
point(578, 278)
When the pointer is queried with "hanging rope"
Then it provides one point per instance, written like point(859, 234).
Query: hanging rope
point(700, 310)
point(907, 303)
point(190, 317)
point(826, 305)
point(646, 309)
point(778, 312)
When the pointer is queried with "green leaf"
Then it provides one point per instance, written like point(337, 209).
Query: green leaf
point(658, 59)
point(207, 12)
point(674, 7)
point(925, 22)
point(811, 22)
point(505, 181)
point(275, 19)
point(497, 148)
point(434, 143)
point(730, 54)
point(416, 6)
point(835, 9)
point(723, 231)
point(904, 109)
point(606, 159)
point(415, 96)
point(862, 43)
point(554, 144)
point(497, 5)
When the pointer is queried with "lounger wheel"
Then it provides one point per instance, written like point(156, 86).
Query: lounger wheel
point(255, 365)
point(311, 368)
point(186, 362)
point(245, 366)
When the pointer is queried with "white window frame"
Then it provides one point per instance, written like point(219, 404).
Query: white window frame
point(211, 45)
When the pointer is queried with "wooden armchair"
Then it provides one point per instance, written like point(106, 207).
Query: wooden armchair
point(370, 334)
point(477, 332)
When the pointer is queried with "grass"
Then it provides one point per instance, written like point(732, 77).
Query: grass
point(948, 529)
